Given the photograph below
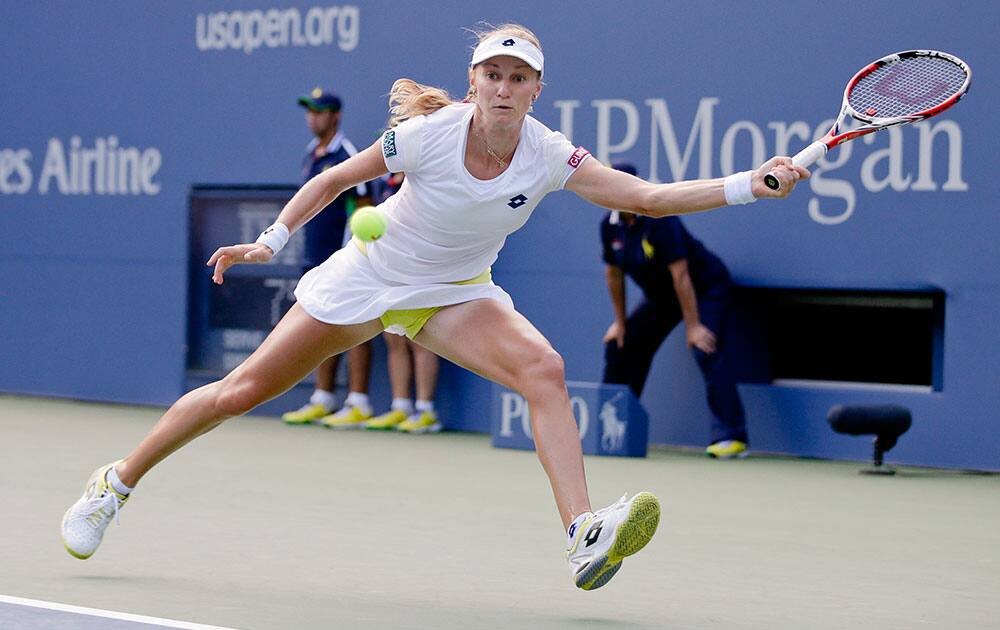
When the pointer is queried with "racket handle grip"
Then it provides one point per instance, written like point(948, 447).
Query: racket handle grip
point(806, 158)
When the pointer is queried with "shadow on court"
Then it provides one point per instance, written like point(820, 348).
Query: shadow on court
point(261, 526)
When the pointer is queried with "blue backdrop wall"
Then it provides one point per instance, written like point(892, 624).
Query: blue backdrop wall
point(111, 112)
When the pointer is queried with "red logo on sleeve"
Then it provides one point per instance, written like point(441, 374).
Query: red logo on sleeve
point(577, 157)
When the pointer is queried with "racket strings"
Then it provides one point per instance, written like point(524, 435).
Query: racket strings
point(907, 87)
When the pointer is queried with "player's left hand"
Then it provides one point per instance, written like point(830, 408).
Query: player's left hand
point(226, 257)
point(781, 167)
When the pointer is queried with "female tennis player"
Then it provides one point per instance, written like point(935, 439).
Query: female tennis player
point(475, 170)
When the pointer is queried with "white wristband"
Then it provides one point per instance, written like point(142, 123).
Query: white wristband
point(738, 188)
point(274, 237)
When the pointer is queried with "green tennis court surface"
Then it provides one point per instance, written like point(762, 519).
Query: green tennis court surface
point(259, 525)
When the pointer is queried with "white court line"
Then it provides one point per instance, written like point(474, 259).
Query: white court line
point(107, 614)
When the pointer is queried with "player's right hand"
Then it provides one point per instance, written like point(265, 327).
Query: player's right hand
point(226, 257)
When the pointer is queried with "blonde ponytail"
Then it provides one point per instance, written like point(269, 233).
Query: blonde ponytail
point(407, 99)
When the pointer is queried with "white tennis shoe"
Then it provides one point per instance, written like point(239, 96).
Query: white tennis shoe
point(84, 523)
point(599, 541)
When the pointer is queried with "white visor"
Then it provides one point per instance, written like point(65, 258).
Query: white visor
point(511, 46)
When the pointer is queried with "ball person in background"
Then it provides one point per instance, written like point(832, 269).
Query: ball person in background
point(326, 235)
point(410, 364)
point(681, 281)
point(475, 170)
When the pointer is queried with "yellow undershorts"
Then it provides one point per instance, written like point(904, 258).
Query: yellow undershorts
point(414, 319)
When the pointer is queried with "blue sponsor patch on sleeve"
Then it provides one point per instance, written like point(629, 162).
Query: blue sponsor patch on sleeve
point(389, 143)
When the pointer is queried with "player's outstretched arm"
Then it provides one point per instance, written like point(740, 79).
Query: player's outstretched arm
point(315, 195)
point(616, 190)
point(319, 191)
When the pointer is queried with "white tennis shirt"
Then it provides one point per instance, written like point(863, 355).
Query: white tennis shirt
point(444, 224)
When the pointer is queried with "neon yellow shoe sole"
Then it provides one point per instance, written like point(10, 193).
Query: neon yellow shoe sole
point(426, 422)
point(352, 418)
point(631, 536)
point(75, 554)
point(727, 449)
point(386, 422)
point(306, 415)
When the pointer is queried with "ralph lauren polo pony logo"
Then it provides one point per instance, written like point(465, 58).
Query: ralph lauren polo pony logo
point(517, 202)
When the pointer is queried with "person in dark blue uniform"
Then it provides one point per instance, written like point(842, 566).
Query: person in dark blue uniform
point(325, 235)
point(329, 148)
point(681, 281)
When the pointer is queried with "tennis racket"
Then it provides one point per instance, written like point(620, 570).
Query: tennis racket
point(897, 89)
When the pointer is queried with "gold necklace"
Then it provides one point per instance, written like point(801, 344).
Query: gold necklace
point(493, 154)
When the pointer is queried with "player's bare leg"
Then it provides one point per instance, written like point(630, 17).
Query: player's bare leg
point(293, 349)
point(500, 344)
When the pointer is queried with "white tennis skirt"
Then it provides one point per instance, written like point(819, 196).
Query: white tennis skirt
point(346, 290)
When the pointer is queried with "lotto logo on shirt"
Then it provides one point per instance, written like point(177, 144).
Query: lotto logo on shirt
point(577, 157)
point(389, 144)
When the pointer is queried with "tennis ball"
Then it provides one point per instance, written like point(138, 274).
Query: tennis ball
point(368, 223)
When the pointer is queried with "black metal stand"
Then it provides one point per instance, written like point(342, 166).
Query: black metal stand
point(886, 422)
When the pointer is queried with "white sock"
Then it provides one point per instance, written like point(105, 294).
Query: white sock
point(112, 478)
point(359, 400)
point(425, 405)
point(402, 404)
point(325, 398)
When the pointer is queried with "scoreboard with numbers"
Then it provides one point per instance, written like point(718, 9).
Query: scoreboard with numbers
point(226, 323)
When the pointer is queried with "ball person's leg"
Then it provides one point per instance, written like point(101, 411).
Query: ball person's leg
point(326, 374)
point(359, 360)
point(399, 364)
point(728, 416)
point(426, 367)
point(645, 330)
